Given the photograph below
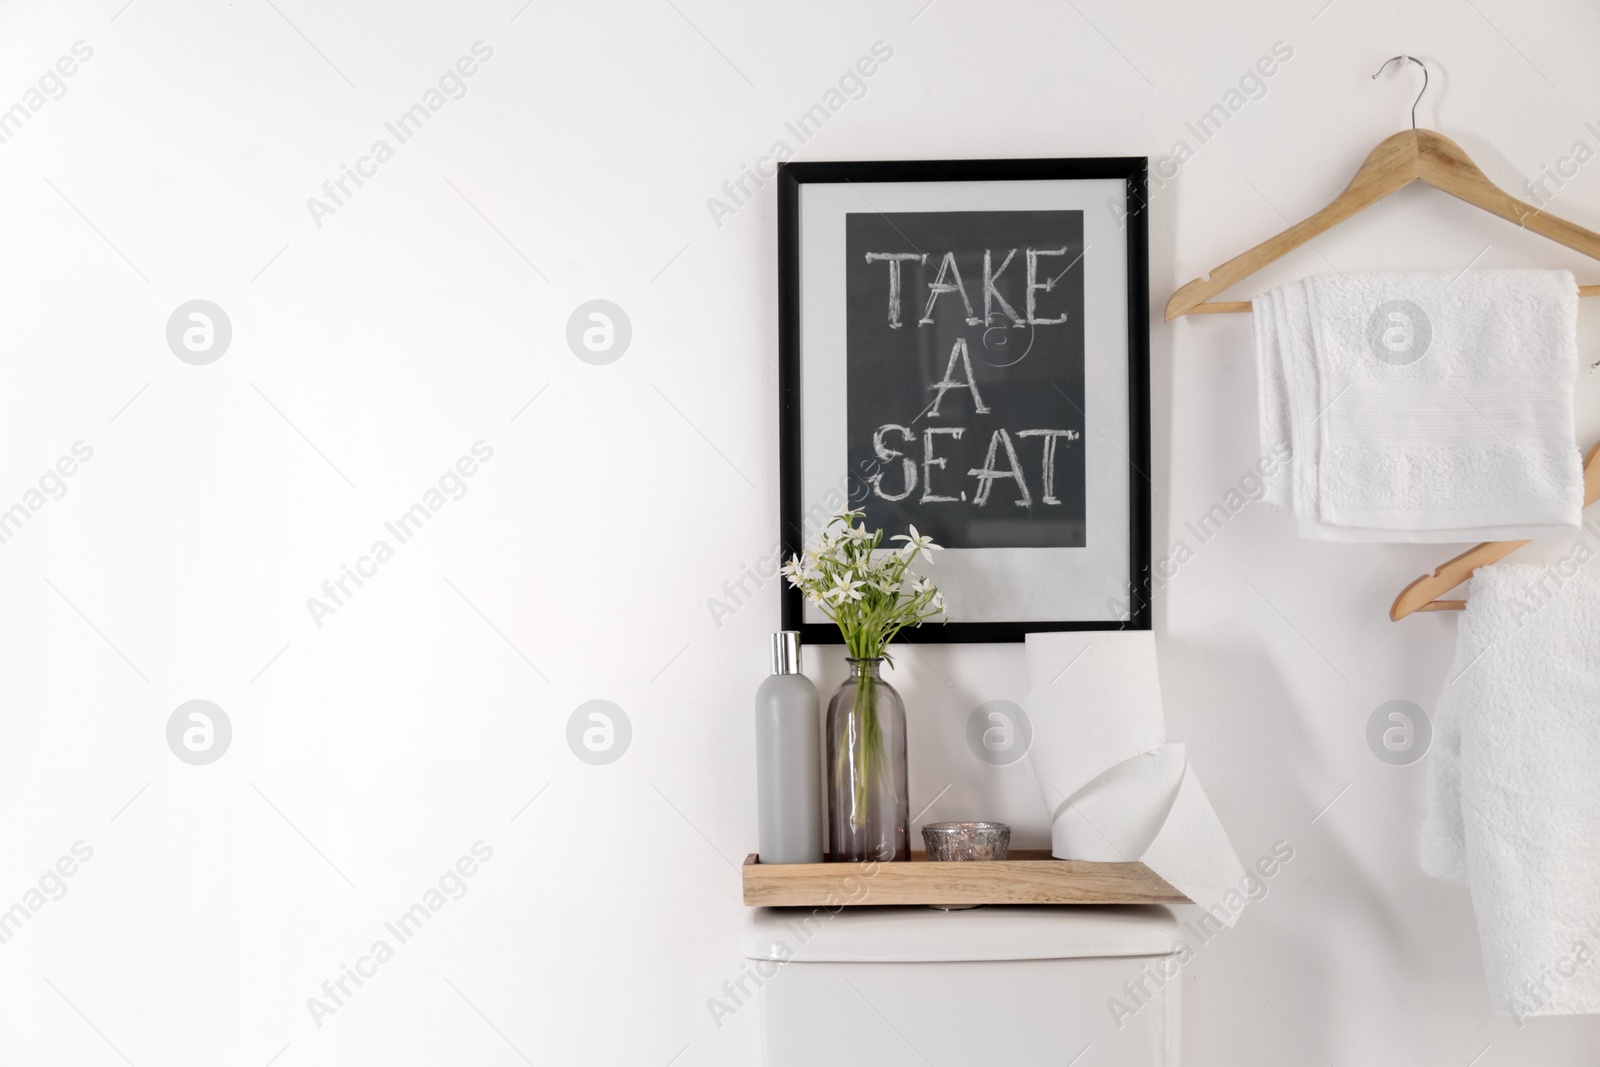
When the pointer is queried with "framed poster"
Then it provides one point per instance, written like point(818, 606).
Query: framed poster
point(964, 347)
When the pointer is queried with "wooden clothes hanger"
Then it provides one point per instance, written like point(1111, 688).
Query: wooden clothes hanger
point(1422, 594)
point(1409, 156)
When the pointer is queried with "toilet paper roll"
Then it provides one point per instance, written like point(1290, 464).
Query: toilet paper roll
point(1114, 788)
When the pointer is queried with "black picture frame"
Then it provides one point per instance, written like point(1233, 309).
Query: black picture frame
point(1132, 170)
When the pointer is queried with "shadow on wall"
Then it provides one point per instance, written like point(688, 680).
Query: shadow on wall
point(1163, 264)
point(1258, 745)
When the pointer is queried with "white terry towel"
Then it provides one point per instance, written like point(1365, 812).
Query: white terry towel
point(1514, 783)
point(1426, 406)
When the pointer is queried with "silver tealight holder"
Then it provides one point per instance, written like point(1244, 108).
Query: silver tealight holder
point(967, 840)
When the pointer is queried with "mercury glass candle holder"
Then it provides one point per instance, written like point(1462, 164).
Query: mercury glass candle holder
point(967, 840)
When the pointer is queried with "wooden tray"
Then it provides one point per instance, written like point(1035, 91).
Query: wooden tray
point(1027, 876)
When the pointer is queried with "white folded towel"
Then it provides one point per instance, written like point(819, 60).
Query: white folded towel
point(1514, 783)
point(1422, 407)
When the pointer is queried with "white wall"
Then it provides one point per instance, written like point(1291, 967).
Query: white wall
point(371, 351)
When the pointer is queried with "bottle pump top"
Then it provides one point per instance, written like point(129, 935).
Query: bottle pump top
point(786, 652)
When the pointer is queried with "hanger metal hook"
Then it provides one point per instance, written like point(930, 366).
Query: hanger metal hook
point(1418, 100)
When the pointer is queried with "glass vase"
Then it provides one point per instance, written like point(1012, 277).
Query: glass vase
point(869, 804)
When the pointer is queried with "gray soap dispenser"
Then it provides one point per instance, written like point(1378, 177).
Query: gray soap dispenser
point(788, 760)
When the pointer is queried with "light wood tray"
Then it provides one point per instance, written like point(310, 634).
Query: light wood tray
point(1027, 876)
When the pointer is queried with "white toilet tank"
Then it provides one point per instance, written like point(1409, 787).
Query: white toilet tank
point(1020, 986)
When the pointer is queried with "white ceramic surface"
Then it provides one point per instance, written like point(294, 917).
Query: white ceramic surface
point(1023, 987)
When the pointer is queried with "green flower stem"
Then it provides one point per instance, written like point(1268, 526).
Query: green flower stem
point(869, 752)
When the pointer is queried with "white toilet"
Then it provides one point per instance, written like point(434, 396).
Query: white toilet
point(1018, 986)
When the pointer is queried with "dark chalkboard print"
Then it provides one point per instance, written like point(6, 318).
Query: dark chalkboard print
point(965, 340)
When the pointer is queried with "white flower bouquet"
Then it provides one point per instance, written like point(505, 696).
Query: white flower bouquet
point(871, 597)
point(871, 594)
